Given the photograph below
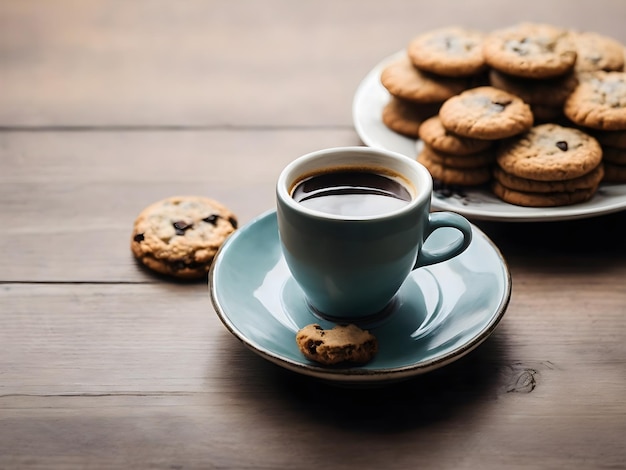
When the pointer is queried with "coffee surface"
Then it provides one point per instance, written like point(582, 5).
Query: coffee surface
point(351, 193)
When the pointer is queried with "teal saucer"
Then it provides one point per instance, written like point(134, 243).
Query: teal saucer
point(441, 312)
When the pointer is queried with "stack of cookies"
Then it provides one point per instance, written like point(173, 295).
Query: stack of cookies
point(459, 141)
point(519, 77)
point(535, 62)
point(598, 106)
point(550, 165)
point(420, 81)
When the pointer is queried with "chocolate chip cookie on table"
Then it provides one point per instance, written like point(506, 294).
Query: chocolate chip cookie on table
point(179, 236)
point(550, 165)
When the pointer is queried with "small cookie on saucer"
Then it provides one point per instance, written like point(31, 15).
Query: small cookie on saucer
point(341, 344)
point(530, 50)
point(486, 113)
point(179, 236)
point(451, 52)
point(599, 101)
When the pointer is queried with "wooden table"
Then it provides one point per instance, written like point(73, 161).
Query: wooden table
point(106, 107)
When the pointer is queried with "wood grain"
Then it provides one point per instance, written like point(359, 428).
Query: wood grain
point(106, 106)
point(72, 211)
point(209, 63)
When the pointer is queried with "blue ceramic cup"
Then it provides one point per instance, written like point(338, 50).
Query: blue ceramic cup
point(350, 266)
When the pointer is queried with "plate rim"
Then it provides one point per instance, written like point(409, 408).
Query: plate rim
point(521, 214)
point(356, 375)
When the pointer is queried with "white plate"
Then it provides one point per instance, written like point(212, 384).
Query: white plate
point(369, 100)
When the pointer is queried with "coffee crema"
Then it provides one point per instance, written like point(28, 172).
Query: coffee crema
point(350, 192)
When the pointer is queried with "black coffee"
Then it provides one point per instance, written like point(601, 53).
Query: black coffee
point(351, 193)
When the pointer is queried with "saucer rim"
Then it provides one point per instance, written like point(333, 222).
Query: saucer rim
point(357, 375)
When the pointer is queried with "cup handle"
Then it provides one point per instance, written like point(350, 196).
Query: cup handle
point(439, 220)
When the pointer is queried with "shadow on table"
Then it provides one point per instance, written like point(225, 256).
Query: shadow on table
point(599, 237)
point(474, 380)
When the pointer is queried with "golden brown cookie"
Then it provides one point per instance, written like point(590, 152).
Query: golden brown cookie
point(599, 101)
point(341, 344)
point(546, 92)
point(616, 139)
point(179, 236)
point(441, 139)
point(614, 155)
point(403, 80)
point(588, 181)
point(455, 176)
point(529, 199)
point(544, 114)
point(405, 117)
point(472, 160)
point(486, 113)
point(597, 52)
point(614, 173)
point(550, 152)
point(452, 51)
point(530, 50)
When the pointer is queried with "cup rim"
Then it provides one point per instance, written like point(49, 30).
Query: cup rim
point(422, 183)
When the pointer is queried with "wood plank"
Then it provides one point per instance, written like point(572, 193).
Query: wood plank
point(146, 376)
point(72, 197)
point(91, 63)
point(249, 432)
point(106, 107)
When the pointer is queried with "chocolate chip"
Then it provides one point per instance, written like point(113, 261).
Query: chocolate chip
point(500, 105)
point(212, 219)
point(444, 190)
point(562, 145)
point(233, 222)
point(139, 237)
point(312, 346)
point(178, 265)
point(180, 226)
